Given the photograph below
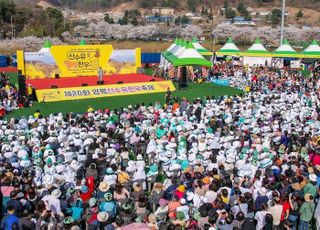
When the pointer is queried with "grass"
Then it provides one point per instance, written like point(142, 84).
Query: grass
point(81, 106)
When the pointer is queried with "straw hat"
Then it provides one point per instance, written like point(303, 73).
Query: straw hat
point(137, 187)
point(152, 219)
point(104, 186)
point(102, 216)
point(158, 186)
point(310, 170)
point(307, 197)
point(206, 180)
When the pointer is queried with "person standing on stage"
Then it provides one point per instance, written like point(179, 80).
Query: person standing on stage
point(100, 74)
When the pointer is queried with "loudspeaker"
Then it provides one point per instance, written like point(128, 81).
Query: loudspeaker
point(22, 85)
point(100, 82)
point(56, 76)
point(183, 78)
point(140, 70)
point(54, 87)
point(152, 79)
point(84, 84)
point(120, 82)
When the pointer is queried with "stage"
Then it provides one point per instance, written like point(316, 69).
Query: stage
point(68, 82)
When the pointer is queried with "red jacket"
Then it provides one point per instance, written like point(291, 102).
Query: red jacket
point(90, 183)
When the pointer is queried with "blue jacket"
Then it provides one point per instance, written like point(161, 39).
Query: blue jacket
point(109, 207)
point(8, 221)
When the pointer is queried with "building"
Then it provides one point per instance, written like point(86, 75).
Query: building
point(159, 19)
point(242, 21)
point(163, 11)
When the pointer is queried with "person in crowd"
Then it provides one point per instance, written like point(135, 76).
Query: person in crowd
point(249, 161)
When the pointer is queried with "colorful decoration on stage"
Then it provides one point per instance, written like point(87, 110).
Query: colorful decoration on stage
point(77, 60)
point(62, 94)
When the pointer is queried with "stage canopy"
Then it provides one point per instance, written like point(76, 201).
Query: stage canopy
point(203, 51)
point(285, 50)
point(229, 49)
point(83, 42)
point(312, 51)
point(46, 46)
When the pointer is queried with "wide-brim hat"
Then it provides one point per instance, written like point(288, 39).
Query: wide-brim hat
point(104, 186)
point(107, 196)
point(262, 191)
point(158, 186)
point(180, 215)
point(152, 218)
point(307, 197)
point(206, 180)
point(84, 189)
point(313, 177)
point(162, 202)
point(32, 197)
point(68, 220)
point(56, 193)
point(137, 187)
point(103, 216)
point(92, 202)
point(181, 188)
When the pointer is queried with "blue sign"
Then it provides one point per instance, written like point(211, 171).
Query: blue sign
point(223, 82)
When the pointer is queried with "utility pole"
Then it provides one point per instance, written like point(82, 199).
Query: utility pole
point(282, 20)
point(12, 30)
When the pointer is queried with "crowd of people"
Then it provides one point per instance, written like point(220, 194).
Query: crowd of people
point(241, 162)
point(10, 99)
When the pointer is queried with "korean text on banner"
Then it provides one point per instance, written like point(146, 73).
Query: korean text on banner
point(50, 95)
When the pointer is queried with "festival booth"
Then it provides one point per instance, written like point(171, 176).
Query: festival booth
point(311, 55)
point(312, 51)
point(182, 58)
point(285, 55)
point(229, 49)
point(188, 56)
point(69, 72)
point(203, 51)
point(229, 52)
point(163, 58)
point(257, 55)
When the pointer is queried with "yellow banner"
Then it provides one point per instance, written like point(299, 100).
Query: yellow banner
point(63, 94)
point(80, 60)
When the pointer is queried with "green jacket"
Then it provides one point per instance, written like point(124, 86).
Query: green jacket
point(306, 211)
point(311, 189)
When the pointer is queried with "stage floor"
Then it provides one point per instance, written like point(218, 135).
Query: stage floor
point(69, 82)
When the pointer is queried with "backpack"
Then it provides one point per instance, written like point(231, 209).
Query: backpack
point(248, 224)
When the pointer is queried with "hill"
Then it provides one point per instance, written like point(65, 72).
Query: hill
point(90, 5)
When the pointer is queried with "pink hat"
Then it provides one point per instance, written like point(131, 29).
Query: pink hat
point(162, 202)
